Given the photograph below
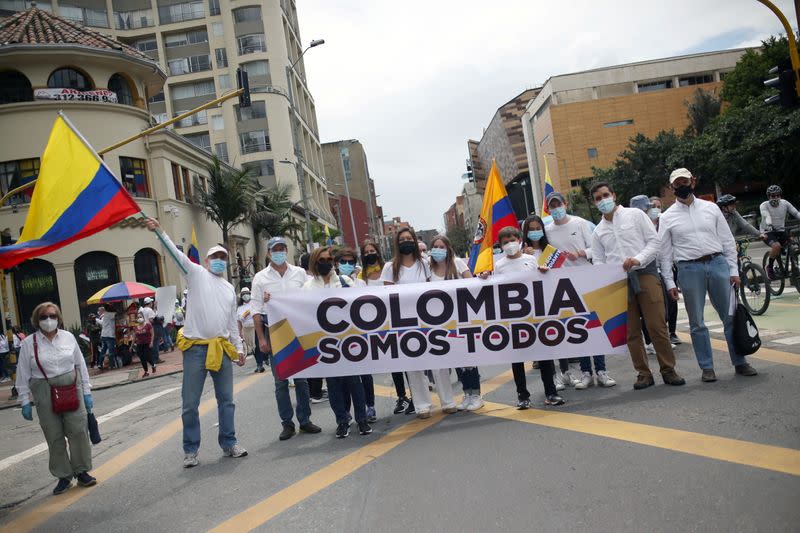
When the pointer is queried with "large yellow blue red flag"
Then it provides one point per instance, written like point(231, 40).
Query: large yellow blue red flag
point(76, 196)
point(548, 188)
point(497, 213)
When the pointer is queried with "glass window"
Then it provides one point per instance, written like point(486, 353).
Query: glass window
point(190, 90)
point(217, 123)
point(178, 66)
point(627, 122)
point(654, 86)
point(256, 110)
point(14, 174)
point(137, 18)
point(187, 184)
point(217, 29)
point(120, 85)
point(695, 80)
point(179, 12)
point(221, 149)
point(147, 45)
point(247, 13)
point(250, 44)
point(222, 57)
point(213, 7)
point(254, 141)
point(146, 267)
point(67, 78)
point(14, 87)
point(156, 98)
point(134, 176)
point(201, 140)
point(176, 181)
point(93, 271)
point(35, 281)
point(265, 167)
point(198, 119)
point(225, 81)
point(256, 68)
point(592, 153)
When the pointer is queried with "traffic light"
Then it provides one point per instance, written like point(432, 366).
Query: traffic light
point(469, 175)
point(785, 83)
point(242, 83)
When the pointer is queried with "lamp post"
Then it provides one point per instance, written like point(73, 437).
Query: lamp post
point(298, 153)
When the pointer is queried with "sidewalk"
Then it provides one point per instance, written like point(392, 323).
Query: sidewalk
point(173, 363)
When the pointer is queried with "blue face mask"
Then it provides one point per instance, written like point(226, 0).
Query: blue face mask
point(217, 266)
point(535, 235)
point(558, 213)
point(346, 269)
point(438, 254)
point(278, 258)
point(606, 205)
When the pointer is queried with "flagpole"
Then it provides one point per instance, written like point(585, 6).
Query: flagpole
point(160, 234)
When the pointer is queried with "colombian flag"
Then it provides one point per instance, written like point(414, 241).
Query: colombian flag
point(548, 188)
point(194, 249)
point(76, 196)
point(496, 214)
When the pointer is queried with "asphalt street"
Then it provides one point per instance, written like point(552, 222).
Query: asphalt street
point(723, 456)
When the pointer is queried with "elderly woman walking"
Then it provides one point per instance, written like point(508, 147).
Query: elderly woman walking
point(49, 363)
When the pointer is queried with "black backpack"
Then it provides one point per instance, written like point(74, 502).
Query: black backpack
point(745, 331)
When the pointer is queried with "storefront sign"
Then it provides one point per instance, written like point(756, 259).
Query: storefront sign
point(76, 95)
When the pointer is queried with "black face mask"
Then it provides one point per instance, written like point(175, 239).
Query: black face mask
point(683, 191)
point(407, 247)
point(324, 268)
point(371, 259)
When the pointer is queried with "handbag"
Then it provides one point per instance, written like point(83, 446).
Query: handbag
point(64, 398)
point(94, 431)
point(745, 331)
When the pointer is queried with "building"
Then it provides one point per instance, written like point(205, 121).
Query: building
point(475, 167)
point(473, 204)
point(200, 45)
point(427, 235)
point(40, 57)
point(454, 216)
point(584, 120)
point(352, 192)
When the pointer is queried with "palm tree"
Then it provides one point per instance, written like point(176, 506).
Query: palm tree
point(231, 199)
point(273, 214)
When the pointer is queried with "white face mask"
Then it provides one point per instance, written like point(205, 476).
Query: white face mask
point(48, 325)
point(140, 320)
point(246, 298)
point(511, 248)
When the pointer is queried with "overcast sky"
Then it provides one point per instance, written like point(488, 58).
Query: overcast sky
point(414, 80)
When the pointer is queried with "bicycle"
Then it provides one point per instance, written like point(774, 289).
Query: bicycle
point(754, 288)
point(788, 257)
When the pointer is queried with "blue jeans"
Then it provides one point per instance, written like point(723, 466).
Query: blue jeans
point(194, 377)
point(471, 380)
point(340, 392)
point(369, 389)
point(109, 347)
point(599, 363)
point(301, 394)
point(714, 277)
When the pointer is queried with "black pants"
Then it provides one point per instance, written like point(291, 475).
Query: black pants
point(145, 353)
point(547, 370)
point(369, 389)
point(399, 384)
point(315, 387)
point(563, 364)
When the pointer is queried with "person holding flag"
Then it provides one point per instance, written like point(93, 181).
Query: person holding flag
point(496, 213)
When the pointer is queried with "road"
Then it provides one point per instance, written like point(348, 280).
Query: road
point(723, 456)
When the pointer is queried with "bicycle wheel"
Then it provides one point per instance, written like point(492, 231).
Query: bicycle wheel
point(754, 289)
point(794, 274)
point(775, 285)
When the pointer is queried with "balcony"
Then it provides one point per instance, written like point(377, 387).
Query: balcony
point(97, 18)
point(251, 44)
point(185, 65)
point(198, 119)
point(133, 20)
point(181, 12)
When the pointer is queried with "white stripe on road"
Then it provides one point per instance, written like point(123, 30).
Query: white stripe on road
point(717, 330)
point(682, 322)
point(788, 341)
point(39, 448)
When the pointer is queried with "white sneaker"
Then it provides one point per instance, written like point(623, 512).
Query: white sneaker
point(235, 451)
point(586, 381)
point(650, 349)
point(190, 460)
point(559, 380)
point(465, 402)
point(568, 379)
point(604, 380)
point(475, 403)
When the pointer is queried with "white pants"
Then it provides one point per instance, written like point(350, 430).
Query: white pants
point(420, 394)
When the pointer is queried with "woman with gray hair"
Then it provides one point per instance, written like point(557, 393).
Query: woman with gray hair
point(49, 363)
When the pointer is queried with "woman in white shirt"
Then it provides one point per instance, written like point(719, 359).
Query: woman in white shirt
point(445, 265)
point(247, 329)
point(52, 357)
point(408, 266)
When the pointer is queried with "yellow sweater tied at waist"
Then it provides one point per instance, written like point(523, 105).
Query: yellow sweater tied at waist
point(216, 347)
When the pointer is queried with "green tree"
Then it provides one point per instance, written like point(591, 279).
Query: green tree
point(702, 110)
point(460, 239)
point(273, 215)
point(318, 233)
point(746, 82)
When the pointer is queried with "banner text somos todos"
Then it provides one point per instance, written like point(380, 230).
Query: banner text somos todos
point(565, 312)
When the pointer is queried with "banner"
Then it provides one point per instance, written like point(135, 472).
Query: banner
point(100, 95)
point(524, 316)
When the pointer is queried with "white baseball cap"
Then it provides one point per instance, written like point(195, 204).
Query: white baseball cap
point(679, 173)
point(148, 300)
point(215, 249)
point(244, 290)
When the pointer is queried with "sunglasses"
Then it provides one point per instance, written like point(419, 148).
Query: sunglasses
point(348, 262)
point(45, 317)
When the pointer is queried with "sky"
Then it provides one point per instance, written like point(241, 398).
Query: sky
point(414, 80)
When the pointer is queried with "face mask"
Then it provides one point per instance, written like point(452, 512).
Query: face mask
point(654, 213)
point(407, 247)
point(775, 202)
point(346, 269)
point(558, 213)
point(324, 268)
point(48, 324)
point(217, 266)
point(511, 248)
point(683, 191)
point(278, 258)
point(606, 205)
point(246, 298)
point(140, 320)
point(370, 259)
point(535, 235)
point(438, 254)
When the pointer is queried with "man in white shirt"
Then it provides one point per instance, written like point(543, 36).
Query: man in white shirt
point(209, 341)
point(147, 309)
point(108, 337)
point(628, 237)
point(573, 234)
point(280, 276)
point(695, 235)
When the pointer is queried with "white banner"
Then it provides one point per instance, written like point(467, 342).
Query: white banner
point(165, 302)
point(99, 95)
point(565, 312)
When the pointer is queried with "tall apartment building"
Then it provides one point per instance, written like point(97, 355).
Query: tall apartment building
point(200, 44)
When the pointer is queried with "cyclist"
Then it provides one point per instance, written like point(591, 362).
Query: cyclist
point(773, 218)
point(737, 224)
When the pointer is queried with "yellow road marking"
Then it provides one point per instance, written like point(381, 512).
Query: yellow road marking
point(765, 354)
point(52, 506)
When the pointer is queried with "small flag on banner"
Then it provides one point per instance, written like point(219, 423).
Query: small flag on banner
point(552, 257)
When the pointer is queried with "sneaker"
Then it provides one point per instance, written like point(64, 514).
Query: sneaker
point(372, 416)
point(559, 381)
point(287, 433)
point(465, 402)
point(642, 382)
point(85, 480)
point(145, 374)
point(64, 483)
point(554, 399)
point(746, 370)
point(568, 379)
point(5, 380)
point(523, 404)
point(190, 460)
point(400, 405)
point(410, 410)
point(475, 403)
point(235, 451)
point(771, 273)
point(674, 339)
point(708, 375)
point(364, 428)
point(604, 380)
point(424, 414)
point(672, 378)
point(650, 349)
point(342, 431)
point(318, 400)
point(310, 427)
point(586, 381)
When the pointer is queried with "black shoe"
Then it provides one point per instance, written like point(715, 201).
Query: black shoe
point(372, 416)
point(364, 428)
point(642, 382)
point(342, 431)
point(554, 399)
point(400, 405)
point(746, 370)
point(709, 375)
point(85, 480)
point(410, 408)
point(262, 370)
point(524, 404)
point(287, 433)
point(310, 427)
point(674, 339)
point(256, 371)
point(64, 483)
point(672, 378)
